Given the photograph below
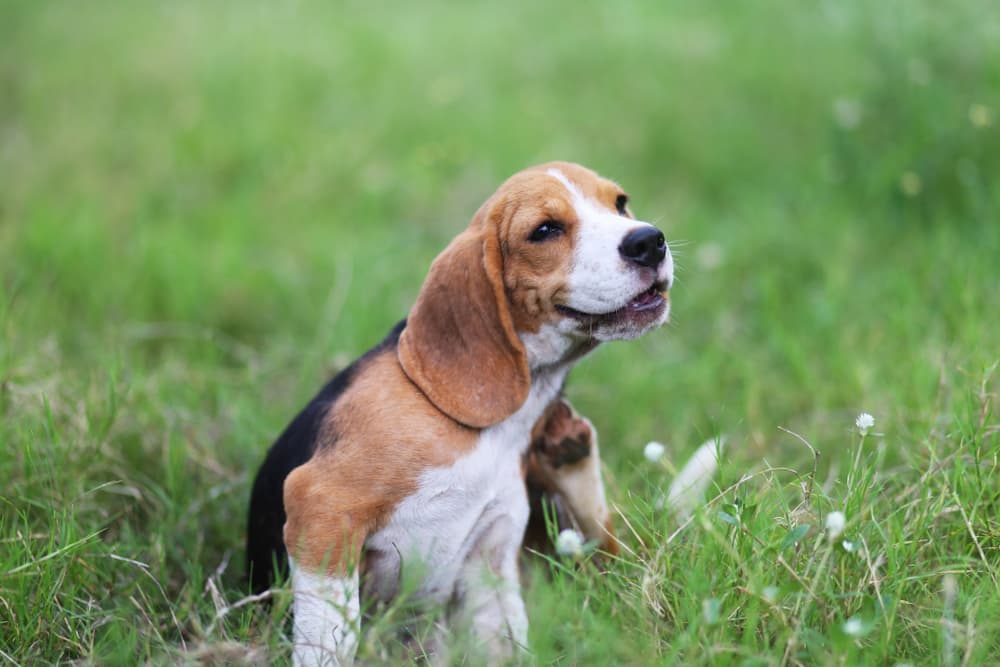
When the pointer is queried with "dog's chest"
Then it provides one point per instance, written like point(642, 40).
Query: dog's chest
point(476, 504)
point(432, 532)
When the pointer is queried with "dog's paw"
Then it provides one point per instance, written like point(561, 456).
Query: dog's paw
point(562, 437)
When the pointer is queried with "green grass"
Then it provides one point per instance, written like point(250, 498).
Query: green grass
point(207, 208)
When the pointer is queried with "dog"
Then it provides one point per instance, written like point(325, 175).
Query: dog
point(414, 459)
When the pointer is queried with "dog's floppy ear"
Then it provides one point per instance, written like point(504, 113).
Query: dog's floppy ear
point(459, 345)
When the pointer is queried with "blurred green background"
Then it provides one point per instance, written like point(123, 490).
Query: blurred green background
point(206, 208)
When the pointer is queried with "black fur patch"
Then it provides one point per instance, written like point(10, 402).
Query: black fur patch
point(266, 553)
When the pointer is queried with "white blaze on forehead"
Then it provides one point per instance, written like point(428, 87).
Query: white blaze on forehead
point(570, 185)
point(600, 281)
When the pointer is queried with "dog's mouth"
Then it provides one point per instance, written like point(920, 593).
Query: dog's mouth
point(647, 304)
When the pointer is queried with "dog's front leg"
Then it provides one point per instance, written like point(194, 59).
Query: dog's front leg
point(324, 539)
point(489, 594)
point(327, 610)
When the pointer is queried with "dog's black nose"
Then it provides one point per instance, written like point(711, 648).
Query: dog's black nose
point(644, 246)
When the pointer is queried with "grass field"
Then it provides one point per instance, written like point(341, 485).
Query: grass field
point(208, 208)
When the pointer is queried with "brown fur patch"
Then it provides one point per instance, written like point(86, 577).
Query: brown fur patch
point(610, 544)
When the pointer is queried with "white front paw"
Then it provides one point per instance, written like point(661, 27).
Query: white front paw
point(326, 610)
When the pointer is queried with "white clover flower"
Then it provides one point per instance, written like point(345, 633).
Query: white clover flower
point(654, 451)
point(864, 422)
point(980, 115)
point(835, 522)
point(569, 543)
point(709, 255)
point(854, 627)
point(848, 112)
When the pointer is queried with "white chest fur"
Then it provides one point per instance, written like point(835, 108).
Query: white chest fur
point(481, 497)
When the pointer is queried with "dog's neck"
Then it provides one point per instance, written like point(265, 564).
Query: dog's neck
point(551, 355)
point(551, 348)
point(546, 385)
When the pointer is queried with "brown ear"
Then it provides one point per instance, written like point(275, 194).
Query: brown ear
point(459, 345)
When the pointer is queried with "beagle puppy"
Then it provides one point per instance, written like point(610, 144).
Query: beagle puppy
point(412, 462)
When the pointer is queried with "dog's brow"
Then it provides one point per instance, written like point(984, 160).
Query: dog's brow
point(561, 177)
point(585, 206)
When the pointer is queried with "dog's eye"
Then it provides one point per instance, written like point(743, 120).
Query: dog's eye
point(620, 203)
point(549, 229)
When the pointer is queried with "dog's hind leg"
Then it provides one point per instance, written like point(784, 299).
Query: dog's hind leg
point(564, 466)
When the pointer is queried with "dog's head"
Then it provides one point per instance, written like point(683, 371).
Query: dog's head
point(552, 263)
